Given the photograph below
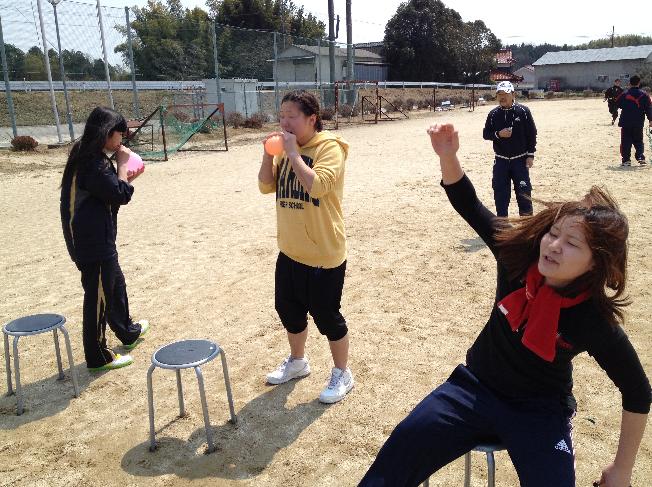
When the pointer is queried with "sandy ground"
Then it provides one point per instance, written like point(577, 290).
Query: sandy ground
point(197, 245)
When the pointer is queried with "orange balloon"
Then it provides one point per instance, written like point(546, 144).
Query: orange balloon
point(274, 145)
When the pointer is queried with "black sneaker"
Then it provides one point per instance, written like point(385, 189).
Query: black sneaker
point(626, 164)
point(642, 161)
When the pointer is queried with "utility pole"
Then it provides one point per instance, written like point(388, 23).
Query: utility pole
point(349, 54)
point(349, 42)
point(331, 39)
point(613, 31)
point(283, 23)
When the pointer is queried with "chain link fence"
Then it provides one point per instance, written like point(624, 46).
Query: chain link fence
point(61, 58)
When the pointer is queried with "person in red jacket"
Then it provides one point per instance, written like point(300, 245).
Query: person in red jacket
point(634, 106)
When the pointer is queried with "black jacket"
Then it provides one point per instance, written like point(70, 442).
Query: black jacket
point(500, 360)
point(612, 93)
point(523, 141)
point(89, 210)
point(635, 105)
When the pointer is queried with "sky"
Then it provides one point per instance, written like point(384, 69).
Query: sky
point(577, 22)
point(570, 22)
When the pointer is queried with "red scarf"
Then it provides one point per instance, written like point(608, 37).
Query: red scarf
point(537, 305)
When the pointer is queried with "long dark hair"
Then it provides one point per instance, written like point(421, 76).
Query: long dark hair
point(605, 228)
point(100, 125)
point(308, 104)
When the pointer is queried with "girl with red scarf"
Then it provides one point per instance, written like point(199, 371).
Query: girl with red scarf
point(516, 386)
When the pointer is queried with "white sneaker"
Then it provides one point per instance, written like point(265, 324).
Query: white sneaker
point(291, 368)
point(340, 384)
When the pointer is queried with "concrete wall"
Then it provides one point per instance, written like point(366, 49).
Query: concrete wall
point(237, 95)
point(585, 75)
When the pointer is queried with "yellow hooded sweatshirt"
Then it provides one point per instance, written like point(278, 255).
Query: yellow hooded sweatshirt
point(310, 227)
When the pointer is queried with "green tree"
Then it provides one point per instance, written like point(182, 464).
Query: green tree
point(79, 65)
point(275, 15)
point(247, 53)
point(55, 70)
point(525, 54)
point(34, 66)
point(421, 41)
point(477, 50)
point(15, 62)
point(171, 43)
point(618, 41)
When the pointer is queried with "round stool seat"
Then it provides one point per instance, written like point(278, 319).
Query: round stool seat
point(34, 324)
point(185, 354)
point(488, 448)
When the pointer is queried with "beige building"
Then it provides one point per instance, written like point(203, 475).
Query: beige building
point(311, 64)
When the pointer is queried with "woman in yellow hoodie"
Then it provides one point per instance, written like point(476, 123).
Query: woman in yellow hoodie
point(308, 179)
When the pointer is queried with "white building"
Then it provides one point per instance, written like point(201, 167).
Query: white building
point(527, 73)
point(590, 68)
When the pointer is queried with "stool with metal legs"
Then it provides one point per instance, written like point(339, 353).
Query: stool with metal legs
point(187, 354)
point(35, 325)
point(489, 449)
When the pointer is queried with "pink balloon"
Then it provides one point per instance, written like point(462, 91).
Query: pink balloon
point(135, 163)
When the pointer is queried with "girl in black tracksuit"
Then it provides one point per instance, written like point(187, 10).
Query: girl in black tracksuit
point(92, 190)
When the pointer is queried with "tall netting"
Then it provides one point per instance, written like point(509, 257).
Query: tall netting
point(140, 59)
point(25, 62)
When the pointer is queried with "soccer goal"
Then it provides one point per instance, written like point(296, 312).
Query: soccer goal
point(178, 127)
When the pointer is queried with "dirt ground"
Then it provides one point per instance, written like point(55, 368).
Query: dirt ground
point(197, 245)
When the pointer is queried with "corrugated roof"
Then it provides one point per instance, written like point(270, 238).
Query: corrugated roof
point(339, 51)
point(594, 55)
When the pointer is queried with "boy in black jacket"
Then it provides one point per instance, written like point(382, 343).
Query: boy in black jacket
point(635, 105)
point(511, 128)
point(610, 96)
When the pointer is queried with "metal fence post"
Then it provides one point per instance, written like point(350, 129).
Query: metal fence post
point(321, 88)
point(134, 88)
point(106, 61)
point(276, 104)
point(46, 60)
point(217, 65)
point(5, 69)
point(71, 130)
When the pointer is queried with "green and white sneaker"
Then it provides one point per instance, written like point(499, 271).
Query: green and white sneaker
point(118, 362)
point(144, 328)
